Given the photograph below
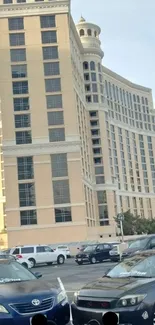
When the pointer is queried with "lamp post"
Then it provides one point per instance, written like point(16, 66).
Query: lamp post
point(120, 216)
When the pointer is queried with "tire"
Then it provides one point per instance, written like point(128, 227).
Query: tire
point(49, 263)
point(25, 265)
point(93, 260)
point(60, 259)
point(33, 262)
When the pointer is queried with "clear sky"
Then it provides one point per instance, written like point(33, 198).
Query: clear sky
point(128, 35)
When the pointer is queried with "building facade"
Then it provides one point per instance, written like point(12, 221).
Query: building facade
point(78, 139)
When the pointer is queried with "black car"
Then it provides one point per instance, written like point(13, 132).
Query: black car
point(127, 290)
point(94, 253)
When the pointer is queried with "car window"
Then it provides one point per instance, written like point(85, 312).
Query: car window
point(135, 266)
point(47, 249)
point(27, 250)
point(106, 246)
point(139, 243)
point(152, 242)
point(16, 251)
point(14, 272)
point(40, 249)
point(100, 247)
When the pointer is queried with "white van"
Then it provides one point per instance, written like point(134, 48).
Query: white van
point(39, 254)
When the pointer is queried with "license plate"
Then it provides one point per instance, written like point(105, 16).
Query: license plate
point(114, 313)
point(32, 317)
point(79, 259)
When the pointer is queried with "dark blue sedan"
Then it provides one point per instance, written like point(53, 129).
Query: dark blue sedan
point(23, 294)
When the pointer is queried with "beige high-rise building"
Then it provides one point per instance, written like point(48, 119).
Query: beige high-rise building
point(77, 138)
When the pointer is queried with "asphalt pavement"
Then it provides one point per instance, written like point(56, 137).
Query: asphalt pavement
point(73, 276)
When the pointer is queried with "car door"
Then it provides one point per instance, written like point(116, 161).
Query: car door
point(40, 254)
point(51, 254)
point(106, 250)
point(99, 252)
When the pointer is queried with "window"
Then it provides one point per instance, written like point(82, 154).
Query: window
point(52, 85)
point(28, 217)
point(63, 215)
point(51, 68)
point(18, 55)
point(23, 137)
point(99, 170)
point(20, 1)
point(61, 192)
point(55, 118)
point(25, 168)
point(59, 165)
point(17, 39)
point(101, 197)
point(85, 65)
point(97, 161)
point(47, 21)
point(20, 87)
point(95, 98)
point(21, 104)
point(93, 76)
point(50, 52)
point(81, 32)
point(94, 132)
point(99, 67)
point(49, 37)
point(95, 141)
point(89, 32)
point(54, 101)
point(86, 77)
point(16, 251)
point(19, 71)
point(16, 23)
point(40, 249)
point(57, 134)
point(92, 65)
point(7, 2)
point(100, 180)
point(27, 195)
point(103, 212)
point(22, 121)
point(27, 250)
point(97, 151)
point(93, 114)
point(94, 88)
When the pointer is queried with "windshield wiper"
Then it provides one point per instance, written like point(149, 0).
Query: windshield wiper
point(136, 276)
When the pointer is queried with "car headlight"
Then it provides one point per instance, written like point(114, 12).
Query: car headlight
point(76, 294)
point(3, 310)
point(131, 300)
point(61, 296)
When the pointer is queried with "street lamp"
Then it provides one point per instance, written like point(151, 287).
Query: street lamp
point(120, 215)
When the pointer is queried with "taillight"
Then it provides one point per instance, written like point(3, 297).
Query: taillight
point(19, 256)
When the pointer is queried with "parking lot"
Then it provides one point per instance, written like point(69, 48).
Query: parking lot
point(72, 275)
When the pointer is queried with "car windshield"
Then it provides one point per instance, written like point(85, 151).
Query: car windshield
point(90, 248)
point(139, 244)
point(137, 266)
point(6, 251)
point(14, 272)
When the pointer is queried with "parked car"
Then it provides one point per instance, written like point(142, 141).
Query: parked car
point(39, 254)
point(94, 253)
point(141, 244)
point(64, 249)
point(81, 248)
point(23, 295)
point(127, 290)
point(23, 260)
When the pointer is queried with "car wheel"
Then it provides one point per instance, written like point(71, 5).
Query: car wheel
point(49, 263)
point(60, 259)
point(25, 265)
point(32, 261)
point(93, 260)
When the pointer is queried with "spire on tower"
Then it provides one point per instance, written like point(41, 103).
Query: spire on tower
point(82, 20)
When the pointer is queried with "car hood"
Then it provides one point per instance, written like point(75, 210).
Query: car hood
point(113, 287)
point(28, 289)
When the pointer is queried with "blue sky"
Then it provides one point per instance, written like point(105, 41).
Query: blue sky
point(128, 35)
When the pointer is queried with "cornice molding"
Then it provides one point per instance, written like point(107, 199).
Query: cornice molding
point(31, 9)
point(41, 149)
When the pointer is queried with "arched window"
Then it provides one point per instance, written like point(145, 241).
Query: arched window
point(85, 65)
point(89, 32)
point(95, 33)
point(81, 32)
point(92, 65)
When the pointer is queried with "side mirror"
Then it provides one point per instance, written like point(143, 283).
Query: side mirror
point(152, 246)
point(38, 275)
point(97, 250)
